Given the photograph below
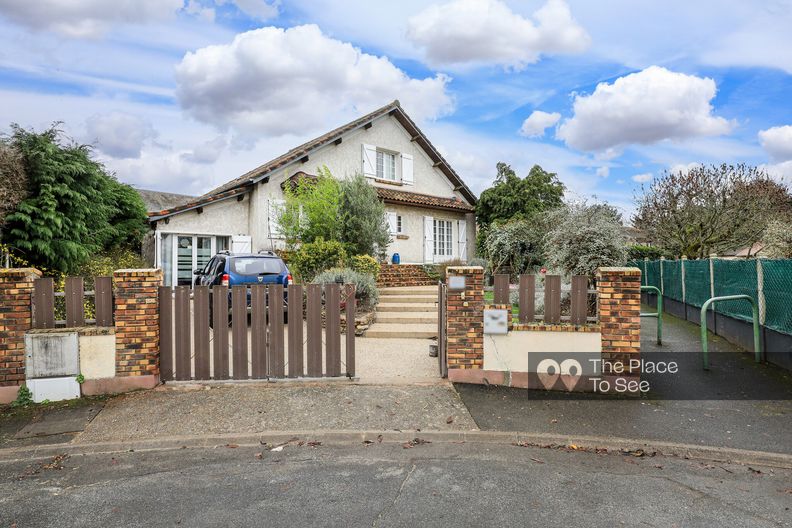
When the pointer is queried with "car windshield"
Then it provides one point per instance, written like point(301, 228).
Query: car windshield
point(256, 266)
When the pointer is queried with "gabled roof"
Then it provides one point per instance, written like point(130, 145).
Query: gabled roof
point(297, 153)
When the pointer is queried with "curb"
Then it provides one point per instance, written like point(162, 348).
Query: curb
point(613, 445)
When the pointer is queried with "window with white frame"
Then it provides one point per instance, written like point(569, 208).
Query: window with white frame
point(394, 223)
point(386, 165)
point(443, 238)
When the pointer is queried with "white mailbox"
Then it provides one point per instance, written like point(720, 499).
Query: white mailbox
point(496, 321)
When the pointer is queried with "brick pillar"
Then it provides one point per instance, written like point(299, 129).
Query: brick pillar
point(465, 328)
point(619, 291)
point(137, 321)
point(16, 318)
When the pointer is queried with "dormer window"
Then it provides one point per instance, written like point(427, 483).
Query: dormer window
point(386, 165)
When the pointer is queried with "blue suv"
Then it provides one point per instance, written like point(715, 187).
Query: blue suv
point(232, 269)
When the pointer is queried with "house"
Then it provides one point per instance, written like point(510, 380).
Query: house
point(429, 208)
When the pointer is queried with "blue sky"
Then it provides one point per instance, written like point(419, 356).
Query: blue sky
point(184, 95)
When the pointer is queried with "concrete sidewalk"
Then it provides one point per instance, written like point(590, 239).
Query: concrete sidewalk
point(737, 404)
point(255, 407)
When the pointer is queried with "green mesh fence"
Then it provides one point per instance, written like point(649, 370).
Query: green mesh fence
point(778, 294)
point(672, 279)
point(735, 277)
point(697, 282)
point(732, 277)
point(653, 273)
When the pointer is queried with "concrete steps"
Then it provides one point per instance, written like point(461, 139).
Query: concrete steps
point(419, 331)
point(406, 312)
point(403, 298)
point(406, 307)
point(407, 317)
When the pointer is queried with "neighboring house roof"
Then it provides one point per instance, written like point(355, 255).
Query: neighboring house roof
point(745, 252)
point(635, 235)
point(304, 150)
point(197, 204)
point(158, 200)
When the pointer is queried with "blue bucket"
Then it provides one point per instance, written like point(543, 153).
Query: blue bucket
point(396, 259)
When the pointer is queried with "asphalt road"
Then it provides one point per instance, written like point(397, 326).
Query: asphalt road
point(438, 484)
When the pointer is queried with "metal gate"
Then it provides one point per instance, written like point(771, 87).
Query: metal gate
point(205, 333)
point(442, 336)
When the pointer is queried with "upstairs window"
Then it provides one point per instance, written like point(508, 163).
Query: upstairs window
point(386, 165)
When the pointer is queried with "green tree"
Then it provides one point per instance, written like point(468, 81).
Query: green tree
point(710, 209)
point(73, 208)
point(515, 197)
point(364, 229)
point(517, 244)
point(583, 238)
point(311, 209)
point(13, 180)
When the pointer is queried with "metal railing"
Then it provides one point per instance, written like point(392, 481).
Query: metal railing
point(659, 314)
point(755, 310)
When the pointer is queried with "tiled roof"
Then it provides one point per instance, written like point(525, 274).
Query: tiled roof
point(295, 154)
point(200, 202)
point(425, 200)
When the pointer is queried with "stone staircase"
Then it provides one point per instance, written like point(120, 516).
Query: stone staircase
point(406, 312)
point(395, 275)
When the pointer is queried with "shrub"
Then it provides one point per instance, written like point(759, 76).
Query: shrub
point(104, 264)
point(365, 264)
point(362, 218)
point(365, 285)
point(584, 238)
point(24, 397)
point(516, 245)
point(640, 252)
point(314, 257)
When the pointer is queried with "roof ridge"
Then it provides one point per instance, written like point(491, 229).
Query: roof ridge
point(273, 163)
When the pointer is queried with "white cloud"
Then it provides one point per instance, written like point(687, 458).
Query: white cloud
point(536, 123)
point(273, 81)
point(258, 9)
point(86, 18)
point(488, 32)
point(643, 178)
point(777, 141)
point(119, 134)
point(194, 8)
point(207, 152)
point(643, 107)
point(683, 167)
point(781, 172)
point(603, 172)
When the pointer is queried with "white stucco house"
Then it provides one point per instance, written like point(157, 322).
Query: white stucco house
point(429, 207)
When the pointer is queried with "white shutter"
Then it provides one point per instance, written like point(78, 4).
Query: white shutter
point(274, 206)
point(407, 169)
point(392, 223)
point(369, 161)
point(462, 237)
point(428, 239)
point(241, 244)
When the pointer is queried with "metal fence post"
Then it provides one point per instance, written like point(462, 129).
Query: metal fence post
point(645, 267)
point(682, 265)
point(760, 296)
point(662, 289)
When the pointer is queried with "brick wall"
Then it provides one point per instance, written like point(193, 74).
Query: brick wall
point(404, 275)
point(16, 318)
point(465, 328)
point(619, 291)
point(137, 321)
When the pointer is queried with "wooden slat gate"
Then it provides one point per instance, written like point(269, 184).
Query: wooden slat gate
point(442, 329)
point(199, 342)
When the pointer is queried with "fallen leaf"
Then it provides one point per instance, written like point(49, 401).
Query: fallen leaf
point(232, 446)
point(537, 460)
point(314, 444)
point(379, 439)
point(414, 442)
point(573, 447)
point(259, 456)
point(553, 421)
point(367, 442)
point(450, 419)
point(754, 471)
point(276, 449)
